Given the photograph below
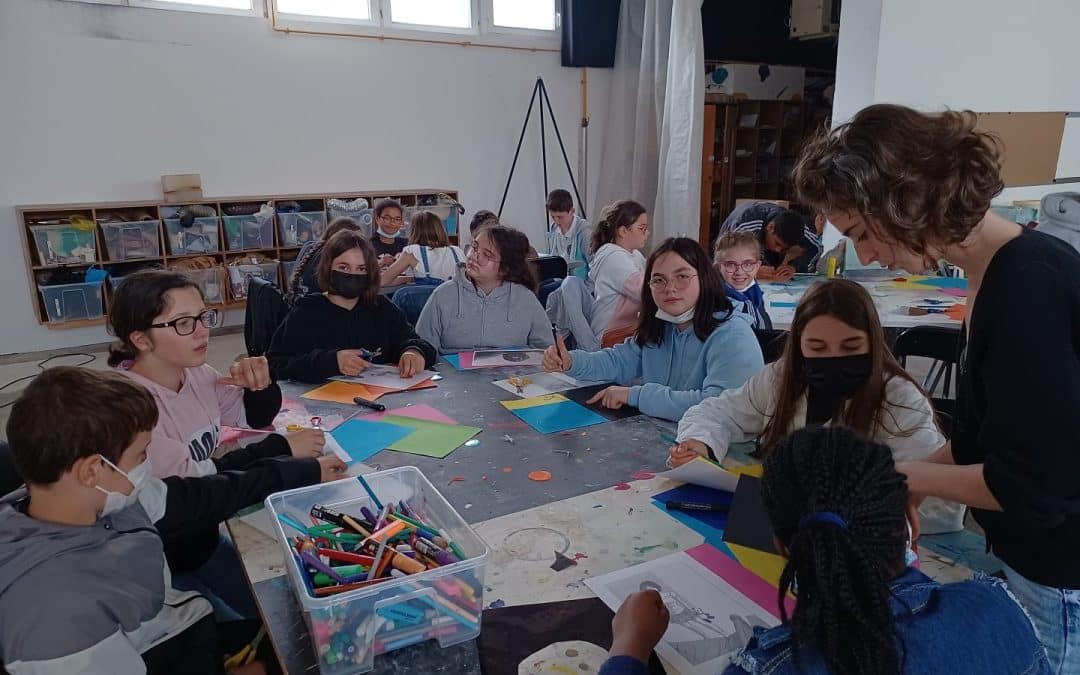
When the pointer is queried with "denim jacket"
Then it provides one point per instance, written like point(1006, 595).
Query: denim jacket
point(969, 627)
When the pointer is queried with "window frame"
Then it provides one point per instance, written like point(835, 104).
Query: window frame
point(315, 21)
point(258, 7)
point(489, 24)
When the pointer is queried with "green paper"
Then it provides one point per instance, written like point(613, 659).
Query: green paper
point(431, 439)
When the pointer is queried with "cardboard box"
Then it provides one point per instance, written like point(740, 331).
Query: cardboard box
point(182, 188)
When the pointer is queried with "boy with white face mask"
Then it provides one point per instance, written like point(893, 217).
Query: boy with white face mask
point(84, 586)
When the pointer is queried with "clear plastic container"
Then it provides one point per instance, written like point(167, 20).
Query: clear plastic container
point(239, 275)
point(246, 233)
point(211, 282)
point(70, 302)
point(132, 240)
point(64, 244)
point(349, 629)
point(287, 267)
point(201, 237)
point(296, 229)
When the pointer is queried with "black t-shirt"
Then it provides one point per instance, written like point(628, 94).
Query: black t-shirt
point(1018, 406)
point(382, 248)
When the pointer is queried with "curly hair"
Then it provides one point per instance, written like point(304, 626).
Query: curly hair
point(916, 178)
point(843, 569)
point(513, 247)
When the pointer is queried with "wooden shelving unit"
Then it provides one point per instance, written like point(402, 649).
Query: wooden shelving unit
point(61, 242)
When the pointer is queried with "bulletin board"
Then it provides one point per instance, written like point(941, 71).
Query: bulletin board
point(1031, 145)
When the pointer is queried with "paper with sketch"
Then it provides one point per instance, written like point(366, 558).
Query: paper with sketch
point(701, 471)
point(540, 384)
point(494, 358)
point(710, 619)
point(386, 376)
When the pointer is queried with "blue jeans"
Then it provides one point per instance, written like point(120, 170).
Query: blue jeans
point(222, 580)
point(1055, 613)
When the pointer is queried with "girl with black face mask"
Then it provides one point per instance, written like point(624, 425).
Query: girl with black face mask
point(349, 326)
point(836, 370)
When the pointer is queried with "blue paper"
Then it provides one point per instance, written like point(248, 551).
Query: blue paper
point(782, 304)
point(698, 494)
point(563, 416)
point(454, 360)
point(944, 282)
point(361, 439)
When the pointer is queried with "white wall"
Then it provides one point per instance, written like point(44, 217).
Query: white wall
point(100, 101)
point(856, 58)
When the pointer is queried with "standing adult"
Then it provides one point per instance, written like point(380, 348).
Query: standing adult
point(910, 189)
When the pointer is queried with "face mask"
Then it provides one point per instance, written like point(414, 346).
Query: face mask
point(385, 235)
point(348, 286)
point(671, 318)
point(118, 501)
point(837, 375)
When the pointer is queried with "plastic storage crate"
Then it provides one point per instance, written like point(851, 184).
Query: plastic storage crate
point(239, 275)
point(349, 629)
point(246, 233)
point(211, 283)
point(201, 237)
point(64, 244)
point(287, 268)
point(132, 240)
point(70, 302)
point(296, 229)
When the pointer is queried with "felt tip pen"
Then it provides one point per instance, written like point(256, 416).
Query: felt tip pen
point(364, 403)
point(690, 506)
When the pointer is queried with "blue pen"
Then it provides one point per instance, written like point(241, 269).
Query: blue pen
point(288, 520)
point(371, 493)
point(367, 355)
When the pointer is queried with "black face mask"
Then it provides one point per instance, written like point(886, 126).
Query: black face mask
point(348, 286)
point(837, 376)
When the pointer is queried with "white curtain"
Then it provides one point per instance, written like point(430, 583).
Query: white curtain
point(652, 137)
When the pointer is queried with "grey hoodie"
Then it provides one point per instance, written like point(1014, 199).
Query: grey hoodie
point(459, 317)
point(85, 599)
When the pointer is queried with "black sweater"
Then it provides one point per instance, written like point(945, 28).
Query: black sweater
point(1018, 406)
point(305, 346)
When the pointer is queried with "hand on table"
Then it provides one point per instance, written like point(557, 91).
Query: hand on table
point(613, 397)
point(251, 372)
point(557, 357)
point(785, 273)
point(410, 363)
point(685, 452)
point(639, 624)
point(306, 442)
point(332, 468)
point(351, 362)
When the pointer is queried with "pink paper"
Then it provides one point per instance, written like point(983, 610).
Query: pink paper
point(234, 434)
point(465, 360)
point(955, 292)
point(748, 583)
point(420, 411)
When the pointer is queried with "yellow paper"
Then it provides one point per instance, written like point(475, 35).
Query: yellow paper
point(755, 470)
point(768, 566)
point(519, 403)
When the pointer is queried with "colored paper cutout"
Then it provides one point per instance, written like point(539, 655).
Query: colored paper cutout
point(731, 571)
point(518, 404)
point(427, 438)
point(360, 439)
point(550, 414)
point(420, 411)
point(336, 391)
point(768, 566)
point(697, 494)
point(701, 471)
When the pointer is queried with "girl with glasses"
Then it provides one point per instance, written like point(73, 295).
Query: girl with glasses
point(690, 343)
point(492, 300)
point(348, 327)
point(388, 221)
point(738, 257)
point(616, 270)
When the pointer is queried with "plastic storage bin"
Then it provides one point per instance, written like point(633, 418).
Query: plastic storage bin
point(245, 233)
point(201, 237)
point(239, 274)
point(211, 281)
point(132, 240)
point(287, 268)
point(349, 629)
point(64, 244)
point(68, 302)
point(296, 229)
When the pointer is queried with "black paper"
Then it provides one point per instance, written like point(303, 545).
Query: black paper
point(747, 522)
point(582, 394)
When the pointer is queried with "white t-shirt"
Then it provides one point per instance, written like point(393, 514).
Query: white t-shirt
point(441, 261)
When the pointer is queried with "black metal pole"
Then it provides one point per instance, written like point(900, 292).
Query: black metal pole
point(543, 152)
point(521, 138)
point(555, 124)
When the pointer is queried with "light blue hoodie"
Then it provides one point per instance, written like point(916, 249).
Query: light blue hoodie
point(681, 371)
point(579, 236)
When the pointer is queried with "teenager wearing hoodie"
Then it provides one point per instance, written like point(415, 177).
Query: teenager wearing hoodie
point(492, 303)
point(348, 327)
point(690, 343)
point(568, 234)
point(616, 271)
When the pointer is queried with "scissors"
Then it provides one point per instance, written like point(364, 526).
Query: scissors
point(369, 355)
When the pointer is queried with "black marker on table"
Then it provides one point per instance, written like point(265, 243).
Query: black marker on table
point(363, 402)
point(673, 505)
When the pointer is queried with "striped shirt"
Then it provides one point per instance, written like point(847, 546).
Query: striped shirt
point(752, 216)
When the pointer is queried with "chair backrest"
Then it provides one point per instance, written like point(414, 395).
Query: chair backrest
point(772, 343)
point(266, 310)
point(411, 300)
point(9, 477)
point(549, 267)
point(939, 343)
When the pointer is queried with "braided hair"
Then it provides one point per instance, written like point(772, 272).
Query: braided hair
point(842, 568)
point(335, 226)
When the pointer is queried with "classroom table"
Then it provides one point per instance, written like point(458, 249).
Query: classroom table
point(597, 505)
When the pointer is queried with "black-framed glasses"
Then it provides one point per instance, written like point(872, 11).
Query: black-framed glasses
point(746, 265)
point(185, 325)
point(393, 220)
point(679, 282)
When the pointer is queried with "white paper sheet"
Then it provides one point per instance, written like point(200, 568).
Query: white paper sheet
point(489, 358)
point(710, 619)
point(386, 376)
point(701, 471)
point(542, 384)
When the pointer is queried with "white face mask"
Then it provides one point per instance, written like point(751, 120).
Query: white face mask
point(118, 501)
point(385, 235)
point(671, 318)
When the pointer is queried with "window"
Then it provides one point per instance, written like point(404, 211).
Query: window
point(438, 13)
point(355, 10)
point(243, 5)
point(528, 14)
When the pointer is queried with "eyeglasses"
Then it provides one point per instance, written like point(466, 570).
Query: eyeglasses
point(679, 282)
point(393, 220)
point(483, 255)
point(185, 325)
point(746, 265)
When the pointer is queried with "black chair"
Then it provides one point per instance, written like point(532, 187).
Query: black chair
point(549, 267)
point(939, 343)
point(266, 309)
point(9, 478)
point(772, 343)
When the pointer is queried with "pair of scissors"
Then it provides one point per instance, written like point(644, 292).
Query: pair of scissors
point(369, 355)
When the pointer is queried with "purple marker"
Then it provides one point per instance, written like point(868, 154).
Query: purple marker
point(432, 551)
point(368, 515)
point(322, 567)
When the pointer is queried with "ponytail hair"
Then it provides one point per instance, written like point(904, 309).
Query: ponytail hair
point(619, 214)
point(336, 225)
point(838, 505)
point(136, 303)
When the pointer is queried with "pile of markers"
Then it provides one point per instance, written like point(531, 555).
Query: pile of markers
point(341, 552)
